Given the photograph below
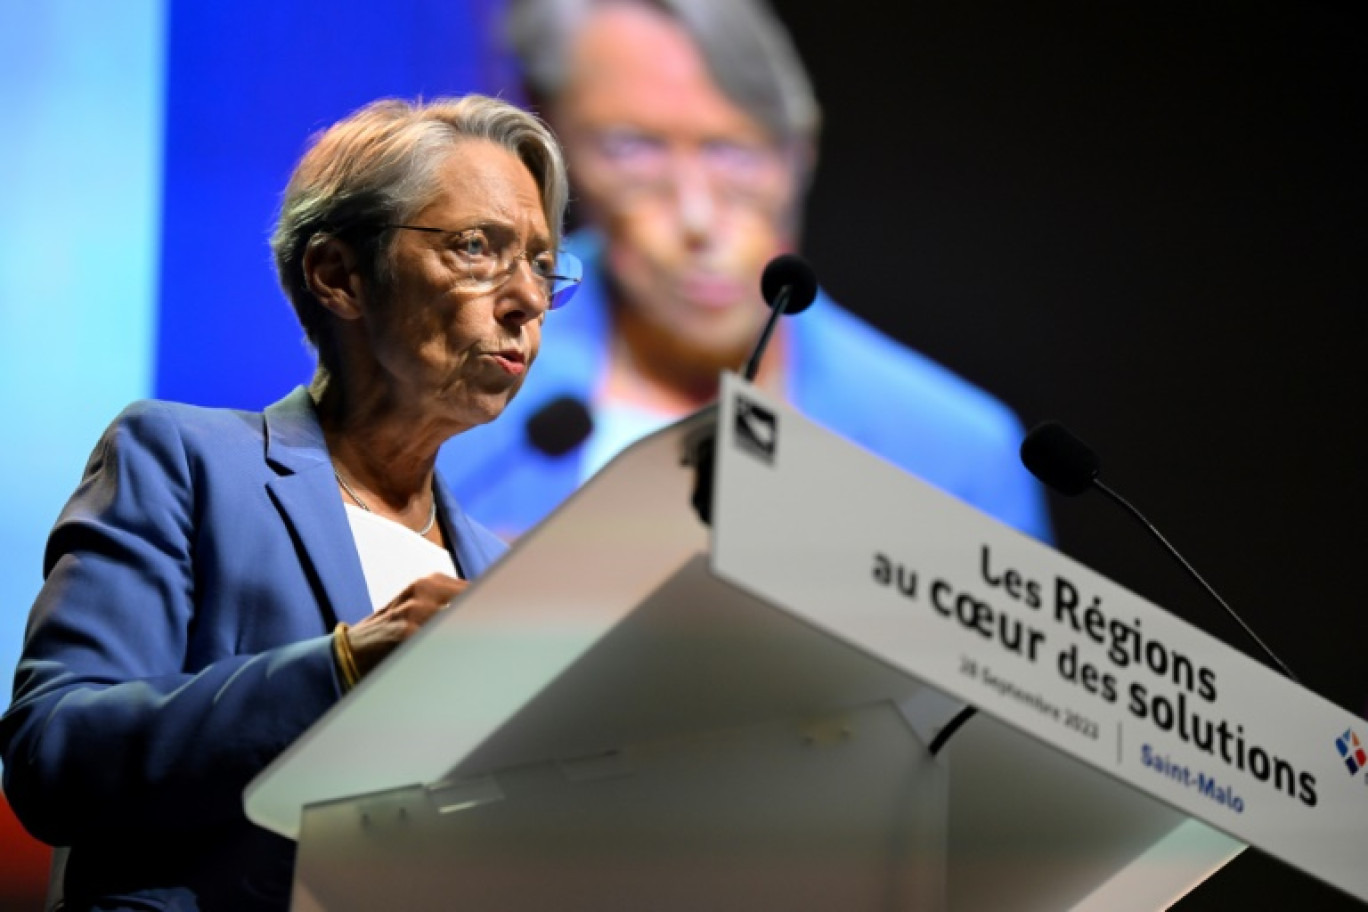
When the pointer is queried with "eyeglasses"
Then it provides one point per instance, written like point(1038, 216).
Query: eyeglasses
point(489, 256)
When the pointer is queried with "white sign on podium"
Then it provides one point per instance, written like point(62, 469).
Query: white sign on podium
point(908, 574)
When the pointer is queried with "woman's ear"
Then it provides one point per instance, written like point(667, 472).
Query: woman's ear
point(330, 271)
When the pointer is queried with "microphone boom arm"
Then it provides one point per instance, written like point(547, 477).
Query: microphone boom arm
point(1192, 571)
point(781, 302)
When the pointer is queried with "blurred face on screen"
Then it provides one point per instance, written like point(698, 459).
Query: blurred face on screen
point(692, 195)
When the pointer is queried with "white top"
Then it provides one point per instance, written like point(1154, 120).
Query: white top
point(393, 555)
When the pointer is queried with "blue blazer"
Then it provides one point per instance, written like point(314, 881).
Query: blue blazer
point(181, 640)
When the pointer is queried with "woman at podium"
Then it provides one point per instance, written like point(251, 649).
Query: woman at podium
point(220, 578)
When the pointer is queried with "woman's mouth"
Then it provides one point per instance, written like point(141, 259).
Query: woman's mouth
point(512, 362)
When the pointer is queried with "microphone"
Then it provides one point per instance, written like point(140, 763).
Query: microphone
point(1060, 459)
point(789, 286)
point(1068, 465)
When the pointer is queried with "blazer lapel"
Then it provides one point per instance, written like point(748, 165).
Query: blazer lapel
point(473, 555)
point(306, 493)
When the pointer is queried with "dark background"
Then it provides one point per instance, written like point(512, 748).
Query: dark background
point(1146, 221)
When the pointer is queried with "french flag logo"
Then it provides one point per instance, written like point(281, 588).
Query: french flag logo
point(1352, 751)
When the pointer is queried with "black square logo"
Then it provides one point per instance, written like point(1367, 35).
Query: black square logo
point(757, 430)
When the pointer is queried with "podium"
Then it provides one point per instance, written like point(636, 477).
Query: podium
point(634, 710)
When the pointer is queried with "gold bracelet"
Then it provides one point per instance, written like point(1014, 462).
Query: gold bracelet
point(346, 660)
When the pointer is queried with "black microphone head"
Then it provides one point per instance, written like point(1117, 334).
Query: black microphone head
point(559, 426)
point(1054, 455)
point(791, 270)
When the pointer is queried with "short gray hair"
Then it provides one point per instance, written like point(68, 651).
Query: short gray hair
point(378, 166)
point(747, 52)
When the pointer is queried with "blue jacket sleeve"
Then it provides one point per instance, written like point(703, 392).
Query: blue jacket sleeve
point(111, 728)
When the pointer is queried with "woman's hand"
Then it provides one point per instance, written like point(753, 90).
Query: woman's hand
point(378, 635)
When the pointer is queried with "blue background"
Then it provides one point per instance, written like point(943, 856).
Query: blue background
point(82, 85)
